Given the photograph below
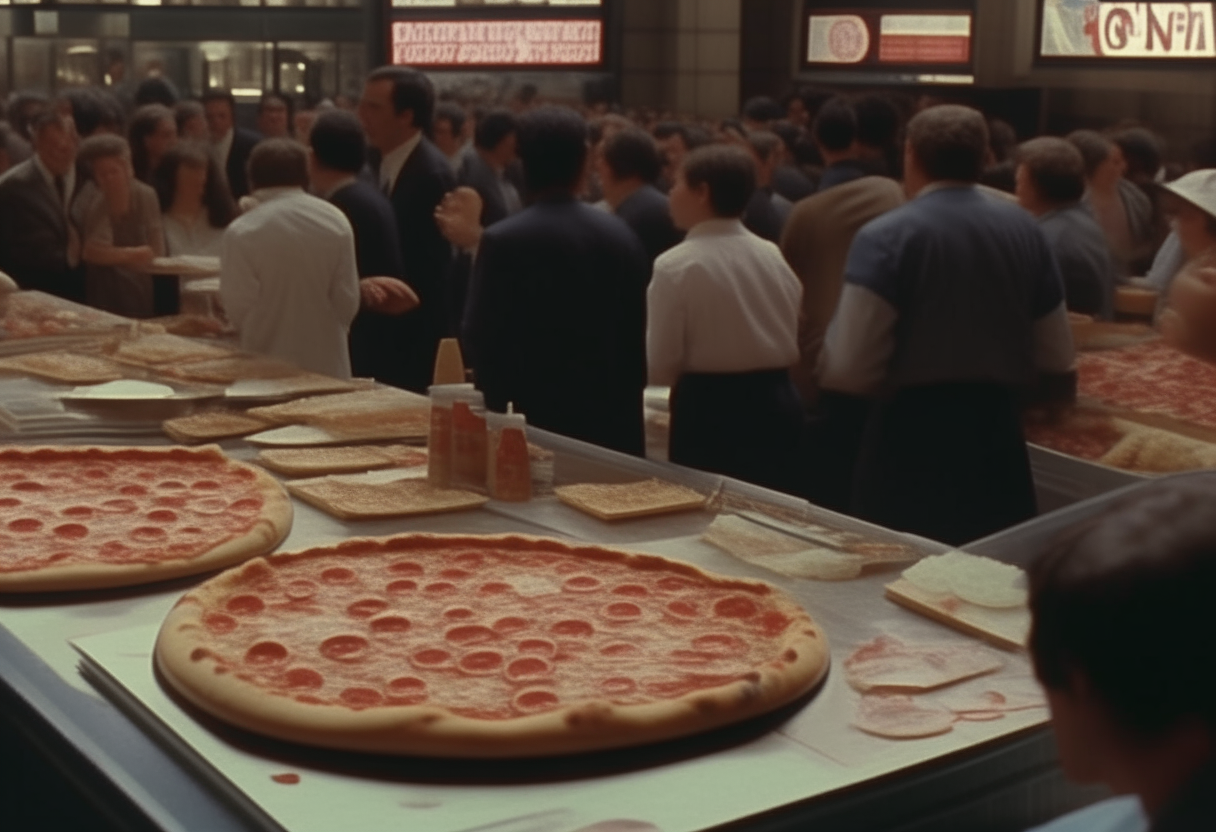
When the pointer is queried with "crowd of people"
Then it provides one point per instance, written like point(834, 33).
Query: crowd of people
point(850, 300)
point(852, 297)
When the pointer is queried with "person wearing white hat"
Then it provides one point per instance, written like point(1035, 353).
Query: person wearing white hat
point(1189, 320)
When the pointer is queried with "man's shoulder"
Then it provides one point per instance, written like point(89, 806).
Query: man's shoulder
point(244, 138)
point(428, 160)
point(18, 175)
point(548, 220)
point(646, 201)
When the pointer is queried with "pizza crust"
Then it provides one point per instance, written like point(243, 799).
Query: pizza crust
point(210, 426)
point(427, 730)
point(266, 534)
point(349, 500)
point(66, 367)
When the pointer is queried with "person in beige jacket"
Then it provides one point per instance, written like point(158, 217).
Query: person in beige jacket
point(816, 244)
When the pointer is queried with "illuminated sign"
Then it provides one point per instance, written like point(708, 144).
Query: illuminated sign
point(497, 42)
point(875, 38)
point(482, 4)
point(1135, 31)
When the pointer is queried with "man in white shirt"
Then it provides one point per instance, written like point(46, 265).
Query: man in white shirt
point(722, 328)
point(288, 279)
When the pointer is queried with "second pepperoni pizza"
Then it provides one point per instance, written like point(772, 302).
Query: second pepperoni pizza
point(490, 647)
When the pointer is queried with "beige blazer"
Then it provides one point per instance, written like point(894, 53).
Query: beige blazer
point(816, 245)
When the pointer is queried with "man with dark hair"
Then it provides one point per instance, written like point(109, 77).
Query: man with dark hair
point(767, 211)
point(556, 314)
point(39, 245)
point(447, 131)
point(952, 312)
point(337, 151)
point(788, 179)
point(878, 123)
point(289, 282)
point(1050, 185)
point(1144, 568)
point(629, 167)
point(835, 133)
point(396, 111)
point(486, 169)
point(722, 329)
point(231, 144)
point(676, 140)
point(760, 112)
point(275, 116)
point(1123, 212)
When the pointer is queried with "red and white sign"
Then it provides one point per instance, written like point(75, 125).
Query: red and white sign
point(498, 42)
point(924, 39)
point(1120, 30)
point(837, 39)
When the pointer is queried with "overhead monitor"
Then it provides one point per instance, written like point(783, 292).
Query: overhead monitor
point(483, 4)
point(498, 43)
point(886, 39)
point(1102, 31)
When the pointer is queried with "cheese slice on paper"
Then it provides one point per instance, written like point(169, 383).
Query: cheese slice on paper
point(902, 718)
point(886, 663)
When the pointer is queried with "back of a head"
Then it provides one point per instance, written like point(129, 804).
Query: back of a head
point(155, 91)
point(22, 109)
point(146, 119)
point(184, 111)
point(762, 109)
point(89, 111)
point(730, 173)
point(453, 114)
point(835, 126)
point(877, 120)
point(1095, 148)
point(278, 163)
point(552, 148)
point(764, 144)
point(1142, 150)
point(412, 90)
point(632, 154)
point(1002, 139)
point(338, 142)
point(493, 127)
point(1125, 601)
point(103, 146)
point(949, 142)
point(1056, 169)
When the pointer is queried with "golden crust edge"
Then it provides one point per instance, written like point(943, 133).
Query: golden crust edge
point(432, 731)
point(270, 530)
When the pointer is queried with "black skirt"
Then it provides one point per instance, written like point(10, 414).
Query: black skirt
point(947, 462)
point(741, 425)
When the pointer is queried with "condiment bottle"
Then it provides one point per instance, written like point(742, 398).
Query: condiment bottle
point(439, 443)
point(469, 439)
point(509, 471)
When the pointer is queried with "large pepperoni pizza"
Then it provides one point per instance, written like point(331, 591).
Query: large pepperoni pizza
point(492, 647)
point(1151, 378)
point(74, 518)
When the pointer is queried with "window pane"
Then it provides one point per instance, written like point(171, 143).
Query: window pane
point(77, 63)
point(308, 72)
point(32, 65)
point(179, 63)
point(239, 67)
point(352, 69)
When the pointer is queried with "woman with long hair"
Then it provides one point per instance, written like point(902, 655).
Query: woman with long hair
point(152, 132)
point(194, 200)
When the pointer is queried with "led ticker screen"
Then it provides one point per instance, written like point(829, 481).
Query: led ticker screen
point(536, 43)
point(879, 39)
point(1127, 31)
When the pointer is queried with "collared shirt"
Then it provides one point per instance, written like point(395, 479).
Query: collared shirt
point(394, 161)
point(955, 286)
point(289, 281)
point(223, 147)
point(723, 301)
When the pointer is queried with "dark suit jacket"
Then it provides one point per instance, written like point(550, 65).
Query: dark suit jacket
point(646, 211)
point(556, 322)
point(478, 175)
point(409, 343)
point(243, 142)
point(34, 235)
point(762, 218)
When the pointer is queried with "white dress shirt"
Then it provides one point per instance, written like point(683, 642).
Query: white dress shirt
point(198, 237)
point(288, 280)
point(393, 162)
point(723, 301)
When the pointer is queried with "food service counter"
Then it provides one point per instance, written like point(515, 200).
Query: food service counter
point(79, 671)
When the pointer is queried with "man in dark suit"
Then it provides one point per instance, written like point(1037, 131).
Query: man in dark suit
point(39, 248)
point(396, 110)
point(338, 153)
point(629, 167)
point(486, 169)
point(556, 316)
point(232, 144)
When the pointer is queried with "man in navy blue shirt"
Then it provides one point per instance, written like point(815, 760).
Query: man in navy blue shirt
point(951, 314)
